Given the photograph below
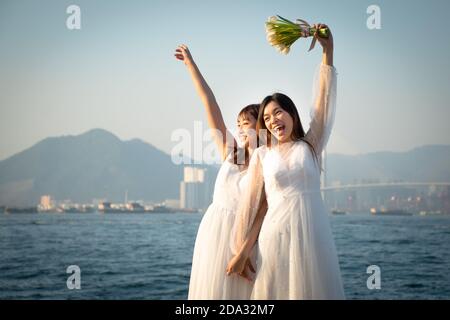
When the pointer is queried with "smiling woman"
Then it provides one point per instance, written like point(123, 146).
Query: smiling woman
point(212, 246)
point(296, 256)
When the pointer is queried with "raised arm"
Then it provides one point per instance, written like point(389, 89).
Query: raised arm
point(324, 97)
point(223, 138)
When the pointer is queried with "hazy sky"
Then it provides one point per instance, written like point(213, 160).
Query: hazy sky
point(118, 72)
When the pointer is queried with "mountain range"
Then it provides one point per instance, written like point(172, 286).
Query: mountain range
point(98, 165)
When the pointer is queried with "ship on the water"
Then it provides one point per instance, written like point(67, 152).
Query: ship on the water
point(430, 213)
point(132, 207)
point(390, 212)
point(161, 209)
point(338, 212)
point(9, 210)
point(79, 209)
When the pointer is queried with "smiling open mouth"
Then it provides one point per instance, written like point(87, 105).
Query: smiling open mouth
point(279, 130)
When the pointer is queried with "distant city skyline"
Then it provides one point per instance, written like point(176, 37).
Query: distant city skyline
point(118, 71)
point(98, 165)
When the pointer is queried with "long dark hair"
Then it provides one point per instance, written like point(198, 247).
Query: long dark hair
point(287, 105)
point(238, 152)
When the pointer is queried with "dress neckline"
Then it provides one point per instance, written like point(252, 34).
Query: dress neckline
point(284, 147)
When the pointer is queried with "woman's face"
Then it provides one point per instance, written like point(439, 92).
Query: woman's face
point(278, 121)
point(247, 129)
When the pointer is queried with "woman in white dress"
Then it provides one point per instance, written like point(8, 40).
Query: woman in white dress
point(296, 255)
point(212, 246)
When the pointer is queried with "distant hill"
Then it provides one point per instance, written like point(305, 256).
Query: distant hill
point(97, 164)
point(421, 164)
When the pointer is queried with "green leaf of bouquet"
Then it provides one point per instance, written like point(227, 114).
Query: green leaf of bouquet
point(284, 19)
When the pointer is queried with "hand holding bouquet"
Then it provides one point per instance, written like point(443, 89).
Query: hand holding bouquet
point(282, 33)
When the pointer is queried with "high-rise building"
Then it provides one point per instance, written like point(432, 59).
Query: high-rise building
point(193, 174)
point(194, 189)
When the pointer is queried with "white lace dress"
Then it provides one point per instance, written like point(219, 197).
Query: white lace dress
point(212, 250)
point(296, 254)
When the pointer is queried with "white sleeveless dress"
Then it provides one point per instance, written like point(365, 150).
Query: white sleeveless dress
point(212, 250)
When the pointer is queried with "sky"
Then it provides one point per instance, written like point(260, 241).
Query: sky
point(118, 71)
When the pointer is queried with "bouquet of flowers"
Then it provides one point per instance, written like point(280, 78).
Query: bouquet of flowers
point(282, 33)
